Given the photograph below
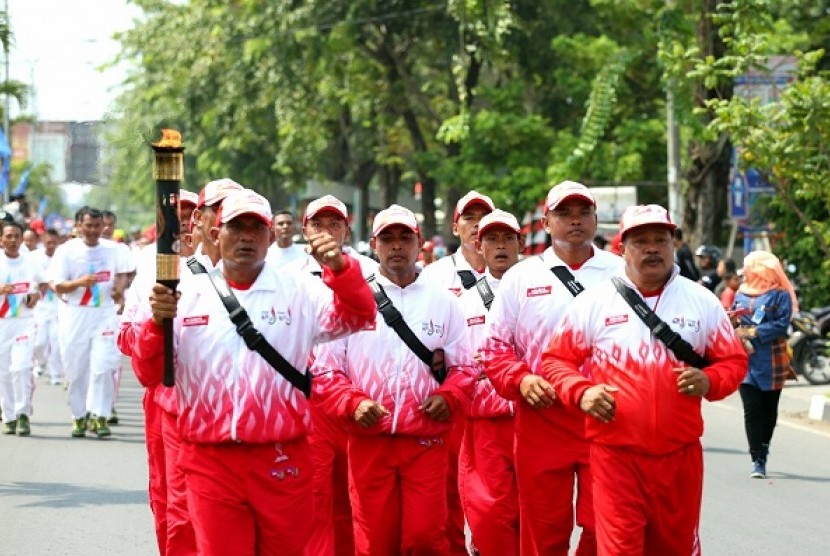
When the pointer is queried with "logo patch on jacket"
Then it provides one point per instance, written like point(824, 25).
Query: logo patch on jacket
point(269, 316)
point(615, 319)
point(473, 321)
point(432, 329)
point(200, 320)
point(539, 290)
point(683, 322)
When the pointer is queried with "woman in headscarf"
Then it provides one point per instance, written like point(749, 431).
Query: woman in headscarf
point(766, 302)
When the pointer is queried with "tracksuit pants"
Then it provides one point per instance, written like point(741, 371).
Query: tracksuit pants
point(550, 461)
point(157, 488)
point(487, 478)
point(249, 499)
point(648, 505)
point(333, 533)
point(455, 509)
point(90, 356)
point(47, 352)
point(17, 382)
point(399, 496)
point(181, 538)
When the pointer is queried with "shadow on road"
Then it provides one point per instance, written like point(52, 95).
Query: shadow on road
point(67, 495)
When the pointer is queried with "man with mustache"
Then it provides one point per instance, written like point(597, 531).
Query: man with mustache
point(643, 402)
point(551, 450)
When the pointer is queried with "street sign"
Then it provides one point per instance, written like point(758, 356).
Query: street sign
point(739, 197)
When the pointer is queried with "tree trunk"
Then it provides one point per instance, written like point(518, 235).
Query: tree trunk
point(709, 164)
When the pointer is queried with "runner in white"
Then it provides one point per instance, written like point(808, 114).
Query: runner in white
point(86, 271)
point(284, 251)
point(47, 350)
point(18, 295)
point(466, 263)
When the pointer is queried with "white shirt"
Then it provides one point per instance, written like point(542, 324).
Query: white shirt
point(24, 278)
point(279, 256)
point(47, 306)
point(75, 258)
point(444, 272)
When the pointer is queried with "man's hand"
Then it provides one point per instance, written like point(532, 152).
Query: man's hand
point(86, 281)
point(31, 300)
point(598, 402)
point(692, 381)
point(325, 251)
point(537, 391)
point(436, 408)
point(6, 289)
point(369, 412)
point(163, 302)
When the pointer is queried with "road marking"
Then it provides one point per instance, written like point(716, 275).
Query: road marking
point(782, 420)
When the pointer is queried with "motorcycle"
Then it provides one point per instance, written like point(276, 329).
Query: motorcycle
point(808, 344)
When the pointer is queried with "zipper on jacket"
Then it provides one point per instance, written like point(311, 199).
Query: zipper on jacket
point(240, 353)
point(401, 358)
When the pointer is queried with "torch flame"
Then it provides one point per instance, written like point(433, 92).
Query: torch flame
point(169, 138)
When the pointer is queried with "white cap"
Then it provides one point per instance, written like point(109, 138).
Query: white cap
point(327, 202)
point(216, 190)
point(395, 215)
point(246, 201)
point(472, 198)
point(499, 218)
point(567, 190)
point(188, 197)
point(644, 215)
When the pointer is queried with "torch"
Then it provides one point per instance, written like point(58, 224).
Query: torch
point(168, 171)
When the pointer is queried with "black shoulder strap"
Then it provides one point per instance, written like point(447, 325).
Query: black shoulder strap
point(254, 339)
point(395, 321)
point(568, 279)
point(468, 279)
point(195, 266)
point(659, 329)
point(485, 292)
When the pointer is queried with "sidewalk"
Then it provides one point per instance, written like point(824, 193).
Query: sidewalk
point(795, 403)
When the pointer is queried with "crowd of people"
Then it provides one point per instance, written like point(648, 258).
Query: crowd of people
point(329, 403)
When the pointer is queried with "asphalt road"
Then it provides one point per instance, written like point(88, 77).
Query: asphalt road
point(60, 495)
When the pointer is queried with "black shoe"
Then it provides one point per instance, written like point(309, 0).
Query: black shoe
point(113, 419)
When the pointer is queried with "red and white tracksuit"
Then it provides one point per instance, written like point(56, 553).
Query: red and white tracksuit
point(168, 497)
point(397, 468)
point(243, 426)
point(88, 324)
point(444, 274)
point(551, 450)
point(647, 463)
point(17, 336)
point(333, 534)
point(487, 474)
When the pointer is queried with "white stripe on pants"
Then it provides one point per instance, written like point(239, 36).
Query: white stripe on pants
point(47, 351)
point(90, 356)
point(17, 383)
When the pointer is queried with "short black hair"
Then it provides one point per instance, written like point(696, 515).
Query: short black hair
point(730, 266)
point(109, 214)
point(6, 223)
point(284, 213)
point(86, 211)
point(52, 232)
point(678, 234)
point(600, 241)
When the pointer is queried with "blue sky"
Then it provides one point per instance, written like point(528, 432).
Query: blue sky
point(59, 45)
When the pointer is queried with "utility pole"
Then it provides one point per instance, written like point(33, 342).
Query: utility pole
point(6, 107)
point(676, 208)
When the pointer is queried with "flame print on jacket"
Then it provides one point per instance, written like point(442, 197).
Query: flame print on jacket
point(651, 415)
point(377, 364)
point(226, 391)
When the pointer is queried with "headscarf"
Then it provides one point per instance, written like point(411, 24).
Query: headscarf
point(763, 272)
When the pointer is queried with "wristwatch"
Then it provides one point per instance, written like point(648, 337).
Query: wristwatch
point(752, 332)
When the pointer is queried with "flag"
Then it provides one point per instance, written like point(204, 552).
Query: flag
point(41, 208)
point(5, 161)
point(23, 183)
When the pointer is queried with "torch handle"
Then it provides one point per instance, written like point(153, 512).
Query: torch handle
point(169, 378)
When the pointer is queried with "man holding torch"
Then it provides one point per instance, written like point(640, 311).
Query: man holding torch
point(244, 426)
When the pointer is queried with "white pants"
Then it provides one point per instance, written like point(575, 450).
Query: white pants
point(90, 357)
point(17, 383)
point(47, 351)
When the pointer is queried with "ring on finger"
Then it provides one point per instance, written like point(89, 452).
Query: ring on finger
point(690, 388)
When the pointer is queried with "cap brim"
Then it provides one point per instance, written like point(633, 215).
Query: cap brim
point(327, 208)
point(266, 221)
point(469, 204)
point(491, 225)
point(392, 224)
point(585, 198)
point(669, 226)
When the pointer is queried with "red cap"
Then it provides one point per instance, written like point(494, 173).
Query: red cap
point(188, 198)
point(395, 215)
point(499, 218)
point(327, 202)
point(644, 215)
point(242, 202)
point(470, 199)
point(216, 190)
point(561, 192)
